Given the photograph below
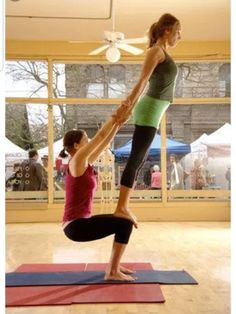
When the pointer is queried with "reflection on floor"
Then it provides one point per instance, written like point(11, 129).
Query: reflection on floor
point(201, 248)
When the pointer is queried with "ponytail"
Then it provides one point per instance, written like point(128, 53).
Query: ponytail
point(62, 153)
point(152, 36)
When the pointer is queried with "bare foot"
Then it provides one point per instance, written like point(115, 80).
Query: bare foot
point(119, 276)
point(127, 215)
point(125, 270)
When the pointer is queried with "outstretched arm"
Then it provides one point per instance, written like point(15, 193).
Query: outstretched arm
point(90, 152)
point(103, 144)
point(121, 115)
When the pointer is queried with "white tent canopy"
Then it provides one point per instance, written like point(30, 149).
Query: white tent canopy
point(219, 142)
point(220, 136)
point(216, 147)
point(11, 148)
point(57, 147)
point(13, 154)
point(199, 146)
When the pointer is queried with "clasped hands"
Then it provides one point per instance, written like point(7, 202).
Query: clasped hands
point(123, 113)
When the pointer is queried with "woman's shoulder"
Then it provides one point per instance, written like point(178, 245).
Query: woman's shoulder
point(156, 52)
point(156, 49)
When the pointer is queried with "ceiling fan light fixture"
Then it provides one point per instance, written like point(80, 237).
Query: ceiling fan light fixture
point(113, 54)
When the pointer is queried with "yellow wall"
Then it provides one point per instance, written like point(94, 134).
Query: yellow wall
point(145, 211)
point(215, 50)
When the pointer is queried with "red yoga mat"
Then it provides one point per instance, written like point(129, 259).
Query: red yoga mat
point(56, 295)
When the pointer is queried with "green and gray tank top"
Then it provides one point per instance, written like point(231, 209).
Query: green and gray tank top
point(162, 80)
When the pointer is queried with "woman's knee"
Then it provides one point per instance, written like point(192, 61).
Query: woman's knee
point(123, 234)
point(135, 160)
point(133, 165)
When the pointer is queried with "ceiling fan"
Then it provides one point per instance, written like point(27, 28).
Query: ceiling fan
point(116, 40)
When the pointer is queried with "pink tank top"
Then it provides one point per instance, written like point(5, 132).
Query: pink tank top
point(79, 194)
point(156, 180)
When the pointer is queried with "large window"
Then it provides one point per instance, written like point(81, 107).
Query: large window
point(30, 79)
point(195, 80)
point(84, 95)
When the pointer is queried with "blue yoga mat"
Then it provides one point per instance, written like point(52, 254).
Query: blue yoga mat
point(95, 277)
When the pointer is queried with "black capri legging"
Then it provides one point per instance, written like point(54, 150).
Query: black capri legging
point(142, 140)
point(98, 227)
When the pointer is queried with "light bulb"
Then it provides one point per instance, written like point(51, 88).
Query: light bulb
point(113, 54)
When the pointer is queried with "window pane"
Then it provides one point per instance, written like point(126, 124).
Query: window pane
point(203, 80)
point(95, 90)
point(26, 130)
point(94, 80)
point(26, 79)
point(207, 129)
point(194, 80)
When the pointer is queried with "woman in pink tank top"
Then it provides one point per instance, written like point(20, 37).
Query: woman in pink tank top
point(78, 222)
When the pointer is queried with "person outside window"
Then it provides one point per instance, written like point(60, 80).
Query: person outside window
point(156, 178)
point(176, 174)
point(32, 175)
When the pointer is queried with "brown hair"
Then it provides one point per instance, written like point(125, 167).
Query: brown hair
point(157, 30)
point(32, 153)
point(71, 137)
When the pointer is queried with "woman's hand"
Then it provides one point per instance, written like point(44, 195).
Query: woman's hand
point(126, 103)
point(122, 114)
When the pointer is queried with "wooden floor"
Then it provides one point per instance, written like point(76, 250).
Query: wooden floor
point(201, 248)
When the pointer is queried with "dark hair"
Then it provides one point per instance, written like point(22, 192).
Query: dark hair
point(32, 153)
point(157, 30)
point(71, 137)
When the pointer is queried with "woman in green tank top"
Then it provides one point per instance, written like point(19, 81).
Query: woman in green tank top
point(161, 71)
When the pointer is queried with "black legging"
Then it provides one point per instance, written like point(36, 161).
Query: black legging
point(98, 227)
point(142, 140)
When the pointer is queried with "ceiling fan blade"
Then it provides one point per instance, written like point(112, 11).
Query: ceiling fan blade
point(130, 49)
point(98, 50)
point(138, 40)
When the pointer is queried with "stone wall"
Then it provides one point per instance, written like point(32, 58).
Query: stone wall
point(187, 122)
point(203, 80)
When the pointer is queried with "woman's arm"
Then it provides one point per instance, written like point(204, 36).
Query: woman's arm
point(103, 144)
point(154, 56)
point(89, 152)
point(122, 115)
